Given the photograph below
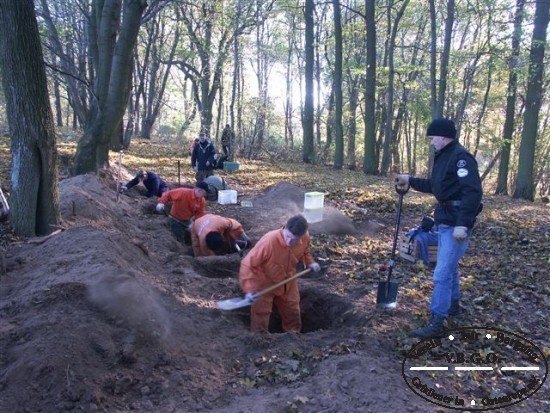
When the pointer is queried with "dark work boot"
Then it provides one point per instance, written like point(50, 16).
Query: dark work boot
point(455, 310)
point(434, 326)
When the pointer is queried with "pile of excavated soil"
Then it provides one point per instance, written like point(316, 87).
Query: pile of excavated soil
point(112, 314)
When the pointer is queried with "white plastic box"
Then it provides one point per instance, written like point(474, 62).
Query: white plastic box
point(313, 206)
point(227, 196)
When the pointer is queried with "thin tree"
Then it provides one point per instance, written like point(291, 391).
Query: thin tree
point(34, 196)
point(370, 166)
point(509, 121)
point(525, 187)
point(308, 154)
point(445, 55)
point(388, 138)
point(338, 130)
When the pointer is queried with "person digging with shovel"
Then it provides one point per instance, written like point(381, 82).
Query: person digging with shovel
point(456, 185)
point(216, 235)
point(272, 260)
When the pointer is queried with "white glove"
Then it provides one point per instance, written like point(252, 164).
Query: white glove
point(123, 188)
point(160, 207)
point(402, 180)
point(250, 297)
point(314, 267)
point(460, 233)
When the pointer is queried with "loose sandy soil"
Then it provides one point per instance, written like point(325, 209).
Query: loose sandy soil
point(111, 314)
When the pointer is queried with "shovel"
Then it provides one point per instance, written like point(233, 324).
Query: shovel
point(238, 302)
point(387, 290)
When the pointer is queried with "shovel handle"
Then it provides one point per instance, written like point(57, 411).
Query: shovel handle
point(283, 282)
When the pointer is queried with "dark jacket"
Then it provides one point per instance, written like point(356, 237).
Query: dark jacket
point(455, 177)
point(202, 153)
point(154, 184)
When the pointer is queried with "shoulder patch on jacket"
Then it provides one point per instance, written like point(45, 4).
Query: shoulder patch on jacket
point(461, 163)
point(462, 172)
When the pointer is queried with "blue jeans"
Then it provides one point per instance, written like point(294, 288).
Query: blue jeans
point(446, 281)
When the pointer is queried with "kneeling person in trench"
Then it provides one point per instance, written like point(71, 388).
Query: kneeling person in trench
point(216, 235)
point(274, 259)
point(187, 204)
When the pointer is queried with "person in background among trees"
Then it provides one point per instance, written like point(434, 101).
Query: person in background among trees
point(274, 259)
point(216, 235)
point(203, 158)
point(155, 184)
point(456, 185)
point(228, 137)
point(187, 204)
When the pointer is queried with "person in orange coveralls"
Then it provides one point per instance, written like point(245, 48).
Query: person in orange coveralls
point(216, 235)
point(273, 259)
point(187, 204)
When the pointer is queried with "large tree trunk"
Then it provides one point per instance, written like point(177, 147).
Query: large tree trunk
point(34, 196)
point(113, 51)
point(370, 166)
point(509, 122)
point(308, 154)
point(525, 188)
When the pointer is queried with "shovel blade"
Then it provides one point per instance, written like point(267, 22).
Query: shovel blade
point(233, 303)
point(387, 294)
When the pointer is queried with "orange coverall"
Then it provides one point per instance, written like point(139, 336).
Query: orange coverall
point(185, 205)
point(269, 262)
point(229, 228)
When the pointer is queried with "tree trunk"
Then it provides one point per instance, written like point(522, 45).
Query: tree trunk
point(509, 122)
point(308, 153)
point(433, 62)
point(388, 138)
point(34, 196)
point(114, 64)
point(338, 132)
point(525, 188)
point(352, 120)
point(444, 64)
point(289, 133)
point(370, 165)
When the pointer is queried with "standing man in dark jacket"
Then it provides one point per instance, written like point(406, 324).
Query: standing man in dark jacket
point(203, 158)
point(154, 183)
point(456, 185)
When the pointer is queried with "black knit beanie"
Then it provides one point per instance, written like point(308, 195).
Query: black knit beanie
point(442, 127)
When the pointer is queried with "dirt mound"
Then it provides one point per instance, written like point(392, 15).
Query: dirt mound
point(283, 200)
point(112, 314)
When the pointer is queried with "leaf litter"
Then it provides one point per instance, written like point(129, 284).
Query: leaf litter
point(112, 314)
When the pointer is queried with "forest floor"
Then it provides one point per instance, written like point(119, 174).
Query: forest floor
point(112, 314)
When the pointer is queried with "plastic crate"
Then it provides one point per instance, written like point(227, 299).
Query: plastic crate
point(314, 200)
point(409, 250)
point(230, 166)
point(313, 215)
point(227, 196)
